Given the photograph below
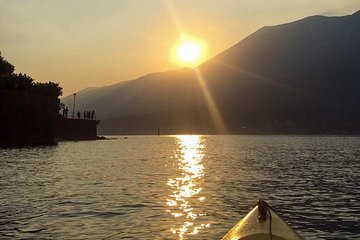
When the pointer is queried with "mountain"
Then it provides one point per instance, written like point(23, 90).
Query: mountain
point(301, 77)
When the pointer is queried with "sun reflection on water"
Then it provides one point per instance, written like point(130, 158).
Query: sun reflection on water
point(185, 199)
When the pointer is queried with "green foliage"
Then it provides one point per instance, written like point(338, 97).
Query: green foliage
point(22, 82)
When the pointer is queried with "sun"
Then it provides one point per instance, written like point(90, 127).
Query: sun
point(189, 52)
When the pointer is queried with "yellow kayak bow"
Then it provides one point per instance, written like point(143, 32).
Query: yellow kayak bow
point(262, 223)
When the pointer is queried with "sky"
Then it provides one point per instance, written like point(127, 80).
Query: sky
point(91, 43)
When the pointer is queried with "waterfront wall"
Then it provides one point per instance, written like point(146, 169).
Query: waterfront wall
point(28, 119)
point(77, 129)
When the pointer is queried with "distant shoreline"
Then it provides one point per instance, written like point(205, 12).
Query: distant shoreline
point(284, 135)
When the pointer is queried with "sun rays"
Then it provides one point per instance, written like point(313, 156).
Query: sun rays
point(192, 52)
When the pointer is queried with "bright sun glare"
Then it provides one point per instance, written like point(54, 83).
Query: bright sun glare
point(189, 52)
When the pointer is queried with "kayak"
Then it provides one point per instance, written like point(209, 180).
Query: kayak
point(262, 223)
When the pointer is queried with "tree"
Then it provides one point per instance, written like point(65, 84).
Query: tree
point(22, 82)
point(47, 89)
point(6, 68)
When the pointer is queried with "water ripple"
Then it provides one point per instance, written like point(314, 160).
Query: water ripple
point(193, 187)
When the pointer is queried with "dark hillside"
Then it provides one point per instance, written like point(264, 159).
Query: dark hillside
point(302, 77)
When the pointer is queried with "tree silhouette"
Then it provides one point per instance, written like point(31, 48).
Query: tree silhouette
point(6, 68)
point(47, 89)
point(22, 82)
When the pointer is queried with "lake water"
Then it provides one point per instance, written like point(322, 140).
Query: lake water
point(179, 187)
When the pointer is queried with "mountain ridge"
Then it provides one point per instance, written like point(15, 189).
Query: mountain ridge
point(289, 78)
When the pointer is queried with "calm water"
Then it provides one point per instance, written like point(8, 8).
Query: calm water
point(185, 187)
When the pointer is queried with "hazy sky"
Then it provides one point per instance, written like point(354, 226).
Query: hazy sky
point(84, 43)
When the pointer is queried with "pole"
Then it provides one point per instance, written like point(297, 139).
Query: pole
point(73, 115)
